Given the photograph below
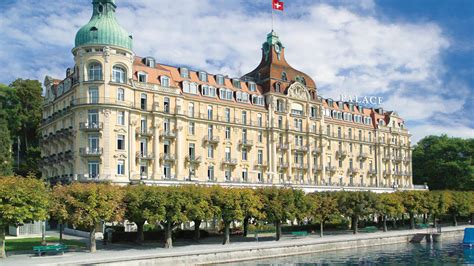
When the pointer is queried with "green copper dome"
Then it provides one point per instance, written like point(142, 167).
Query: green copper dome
point(103, 27)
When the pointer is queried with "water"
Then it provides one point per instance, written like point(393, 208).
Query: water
point(449, 252)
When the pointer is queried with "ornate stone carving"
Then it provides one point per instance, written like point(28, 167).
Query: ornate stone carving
point(106, 112)
point(107, 52)
point(298, 91)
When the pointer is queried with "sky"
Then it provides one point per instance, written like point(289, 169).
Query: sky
point(416, 54)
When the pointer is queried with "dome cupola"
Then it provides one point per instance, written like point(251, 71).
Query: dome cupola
point(103, 28)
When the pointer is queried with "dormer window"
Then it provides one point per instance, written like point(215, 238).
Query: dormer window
point(277, 87)
point(330, 103)
point(340, 105)
point(236, 83)
point(252, 86)
point(150, 62)
point(226, 94)
point(184, 72)
point(203, 76)
point(381, 122)
point(142, 77)
point(258, 100)
point(165, 81)
point(220, 79)
point(242, 97)
point(208, 91)
point(283, 76)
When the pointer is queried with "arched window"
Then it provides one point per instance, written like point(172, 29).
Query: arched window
point(277, 87)
point(283, 76)
point(166, 105)
point(119, 74)
point(143, 101)
point(95, 71)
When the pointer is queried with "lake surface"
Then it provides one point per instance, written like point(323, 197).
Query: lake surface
point(449, 252)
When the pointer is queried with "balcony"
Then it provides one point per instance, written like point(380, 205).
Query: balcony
point(406, 159)
point(167, 134)
point(211, 139)
point(230, 162)
point(300, 148)
point(260, 164)
point(91, 126)
point(89, 152)
point(167, 157)
point(372, 172)
point(363, 156)
point(397, 158)
point(341, 154)
point(93, 178)
point(317, 169)
point(144, 156)
point(353, 170)
point(386, 173)
point(193, 159)
point(385, 158)
point(331, 169)
point(281, 146)
point(283, 165)
point(143, 132)
point(300, 166)
point(316, 152)
point(246, 143)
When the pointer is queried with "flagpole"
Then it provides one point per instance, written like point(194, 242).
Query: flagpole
point(272, 15)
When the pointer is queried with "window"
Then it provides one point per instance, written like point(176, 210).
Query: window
point(121, 118)
point(143, 125)
point(244, 117)
point(242, 97)
point(220, 79)
point(208, 91)
point(227, 132)
point(252, 86)
point(227, 154)
point(280, 122)
point(150, 62)
point(120, 167)
point(277, 87)
point(244, 154)
point(191, 109)
point(120, 142)
point(93, 143)
point(93, 95)
point(258, 100)
point(313, 112)
point(93, 169)
point(236, 83)
point(283, 76)
point(227, 174)
point(210, 131)
point(227, 115)
point(165, 81)
point(166, 105)
point(143, 101)
point(210, 151)
point(203, 76)
point(93, 117)
point(209, 112)
point(260, 136)
point(191, 128)
point(226, 94)
point(210, 173)
point(95, 71)
point(120, 94)
point(280, 106)
point(260, 157)
point(350, 133)
point(191, 151)
point(119, 74)
point(142, 77)
point(245, 175)
point(184, 72)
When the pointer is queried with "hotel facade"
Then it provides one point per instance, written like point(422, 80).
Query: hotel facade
point(126, 119)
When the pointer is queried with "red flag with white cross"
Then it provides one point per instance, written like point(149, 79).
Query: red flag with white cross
point(277, 5)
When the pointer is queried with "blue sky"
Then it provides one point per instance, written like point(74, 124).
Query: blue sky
point(417, 54)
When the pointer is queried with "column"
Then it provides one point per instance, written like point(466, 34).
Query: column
point(179, 151)
point(309, 174)
point(156, 152)
point(274, 165)
point(323, 161)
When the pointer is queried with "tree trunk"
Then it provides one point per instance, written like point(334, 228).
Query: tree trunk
point(278, 230)
point(321, 229)
point(43, 233)
point(403, 220)
point(385, 223)
point(355, 225)
point(140, 236)
point(226, 233)
point(352, 223)
point(61, 228)
point(3, 254)
point(435, 223)
point(246, 225)
point(394, 223)
point(197, 232)
point(425, 218)
point(412, 221)
point(92, 246)
point(168, 235)
point(455, 220)
point(472, 218)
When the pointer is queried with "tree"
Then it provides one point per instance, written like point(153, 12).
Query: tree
point(413, 203)
point(322, 207)
point(444, 163)
point(389, 205)
point(22, 200)
point(229, 208)
point(89, 204)
point(57, 209)
point(174, 203)
point(199, 207)
point(436, 205)
point(251, 206)
point(356, 205)
point(278, 206)
point(5, 146)
point(458, 205)
point(143, 204)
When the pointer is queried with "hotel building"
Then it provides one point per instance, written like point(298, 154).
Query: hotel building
point(126, 119)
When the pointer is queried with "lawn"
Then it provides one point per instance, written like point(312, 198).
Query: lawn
point(29, 243)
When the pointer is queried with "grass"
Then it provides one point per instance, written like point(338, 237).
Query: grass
point(22, 244)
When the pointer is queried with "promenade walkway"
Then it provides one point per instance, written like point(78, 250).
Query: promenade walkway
point(126, 253)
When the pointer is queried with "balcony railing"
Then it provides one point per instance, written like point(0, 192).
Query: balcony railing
point(91, 152)
point(283, 165)
point(341, 154)
point(145, 132)
point(353, 170)
point(167, 134)
point(282, 146)
point(363, 156)
point(397, 158)
point(260, 163)
point(193, 159)
point(300, 166)
point(229, 161)
point(167, 157)
point(331, 169)
point(144, 156)
point(372, 172)
point(246, 143)
point(301, 148)
point(93, 178)
point(211, 139)
point(387, 173)
point(86, 126)
point(317, 169)
point(316, 152)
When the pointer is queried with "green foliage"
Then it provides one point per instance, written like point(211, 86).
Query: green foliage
point(5, 147)
point(227, 202)
point(200, 205)
point(27, 244)
point(444, 163)
point(279, 204)
point(323, 206)
point(356, 204)
point(144, 203)
point(389, 204)
point(413, 201)
point(251, 203)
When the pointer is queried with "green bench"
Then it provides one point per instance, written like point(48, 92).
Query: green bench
point(57, 248)
point(299, 233)
point(423, 226)
point(369, 229)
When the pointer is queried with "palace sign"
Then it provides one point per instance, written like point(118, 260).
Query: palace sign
point(362, 100)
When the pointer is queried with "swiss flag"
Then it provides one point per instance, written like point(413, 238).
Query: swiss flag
point(277, 5)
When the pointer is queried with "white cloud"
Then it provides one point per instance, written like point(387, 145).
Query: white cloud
point(345, 51)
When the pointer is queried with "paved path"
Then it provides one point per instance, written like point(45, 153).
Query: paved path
point(210, 245)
